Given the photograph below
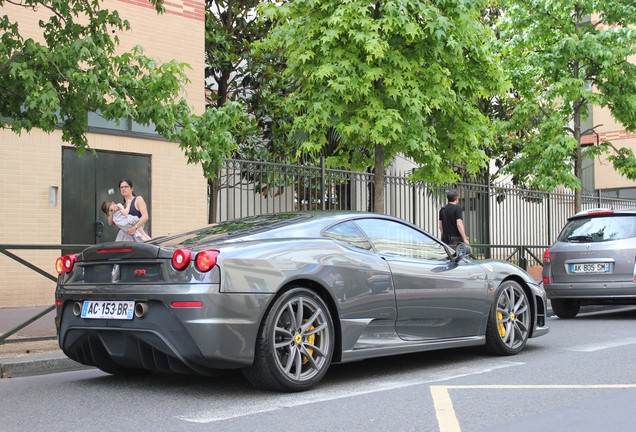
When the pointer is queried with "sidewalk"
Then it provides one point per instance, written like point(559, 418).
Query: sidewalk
point(19, 359)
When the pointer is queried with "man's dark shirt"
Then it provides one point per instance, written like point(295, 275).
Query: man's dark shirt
point(449, 215)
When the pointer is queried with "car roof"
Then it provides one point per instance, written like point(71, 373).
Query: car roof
point(599, 212)
point(300, 224)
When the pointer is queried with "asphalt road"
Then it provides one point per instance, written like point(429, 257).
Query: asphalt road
point(579, 377)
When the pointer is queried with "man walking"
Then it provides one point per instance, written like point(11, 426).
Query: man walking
point(451, 221)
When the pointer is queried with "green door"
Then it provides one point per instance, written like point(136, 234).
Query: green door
point(87, 181)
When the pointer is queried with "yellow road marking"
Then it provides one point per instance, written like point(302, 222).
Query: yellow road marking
point(445, 412)
point(444, 409)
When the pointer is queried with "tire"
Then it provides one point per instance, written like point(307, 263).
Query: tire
point(509, 321)
point(295, 343)
point(565, 308)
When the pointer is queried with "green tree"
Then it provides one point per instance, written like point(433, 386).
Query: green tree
point(498, 108)
point(564, 57)
point(235, 71)
point(77, 70)
point(389, 77)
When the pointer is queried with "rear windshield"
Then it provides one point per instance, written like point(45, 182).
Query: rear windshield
point(599, 229)
point(233, 229)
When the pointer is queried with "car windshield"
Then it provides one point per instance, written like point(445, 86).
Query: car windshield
point(599, 229)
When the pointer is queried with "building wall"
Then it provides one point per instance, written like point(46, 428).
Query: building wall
point(31, 162)
point(608, 129)
point(605, 177)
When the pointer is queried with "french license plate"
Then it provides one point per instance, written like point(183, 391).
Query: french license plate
point(590, 268)
point(108, 309)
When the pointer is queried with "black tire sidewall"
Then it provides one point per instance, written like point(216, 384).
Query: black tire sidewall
point(493, 339)
point(268, 333)
point(565, 308)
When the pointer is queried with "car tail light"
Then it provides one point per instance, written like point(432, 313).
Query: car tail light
point(181, 258)
point(205, 260)
point(600, 212)
point(186, 304)
point(546, 260)
point(546, 257)
point(65, 263)
point(115, 250)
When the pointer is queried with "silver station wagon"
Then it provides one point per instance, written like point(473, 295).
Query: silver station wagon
point(592, 262)
point(283, 296)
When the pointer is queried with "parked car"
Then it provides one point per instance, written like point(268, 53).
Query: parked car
point(592, 261)
point(283, 296)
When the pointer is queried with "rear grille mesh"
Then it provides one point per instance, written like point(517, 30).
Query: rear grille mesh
point(116, 352)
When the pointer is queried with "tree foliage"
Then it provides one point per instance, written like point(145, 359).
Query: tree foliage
point(393, 76)
point(75, 69)
point(564, 57)
point(237, 71)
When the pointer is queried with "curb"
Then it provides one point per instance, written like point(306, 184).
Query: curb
point(38, 364)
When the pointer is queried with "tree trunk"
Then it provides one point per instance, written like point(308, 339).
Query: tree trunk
point(578, 162)
point(378, 180)
point(213, 199)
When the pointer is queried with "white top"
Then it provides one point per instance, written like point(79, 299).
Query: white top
point(124, 223)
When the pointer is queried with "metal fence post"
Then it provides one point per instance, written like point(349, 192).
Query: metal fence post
point(549, 206)
point(323, 174)
point(523, 261)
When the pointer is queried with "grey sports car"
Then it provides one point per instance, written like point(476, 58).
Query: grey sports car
point(283, 296)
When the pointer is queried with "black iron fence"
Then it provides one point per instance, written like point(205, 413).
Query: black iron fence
point(501, 221)
point(494, 214)
point(6, 249)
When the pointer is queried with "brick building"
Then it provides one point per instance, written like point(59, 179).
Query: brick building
point(599, 175)
point(44, 182)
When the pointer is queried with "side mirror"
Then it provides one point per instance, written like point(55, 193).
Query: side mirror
point(463, 250)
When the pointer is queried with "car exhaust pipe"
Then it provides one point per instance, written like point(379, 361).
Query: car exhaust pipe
point(141, 309)
point(77, 308)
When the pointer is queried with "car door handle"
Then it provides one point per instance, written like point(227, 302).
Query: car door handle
point(99, 228)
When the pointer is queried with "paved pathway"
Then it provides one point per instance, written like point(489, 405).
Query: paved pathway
point(12, 317)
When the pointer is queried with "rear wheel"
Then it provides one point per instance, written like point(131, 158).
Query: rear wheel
point(295, 343)
point(564, 308)
point(509, 320)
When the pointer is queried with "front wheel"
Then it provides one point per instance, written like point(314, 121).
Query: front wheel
point(565, 308)
point(295, 343)
point(509, 320)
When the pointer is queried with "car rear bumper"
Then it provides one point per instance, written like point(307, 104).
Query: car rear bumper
point(167, 339)
point(613, 291)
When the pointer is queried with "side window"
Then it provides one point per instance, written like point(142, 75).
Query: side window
point(393, 238)
point(348, 233)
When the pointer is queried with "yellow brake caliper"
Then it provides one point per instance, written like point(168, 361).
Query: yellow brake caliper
point(501, 326)
point(310, 340)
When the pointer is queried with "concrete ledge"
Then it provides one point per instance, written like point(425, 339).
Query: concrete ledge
point(40, 364)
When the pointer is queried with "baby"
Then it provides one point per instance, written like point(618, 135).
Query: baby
point(123, 220)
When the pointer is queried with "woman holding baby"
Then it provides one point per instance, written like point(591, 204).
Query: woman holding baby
point(135, 205)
